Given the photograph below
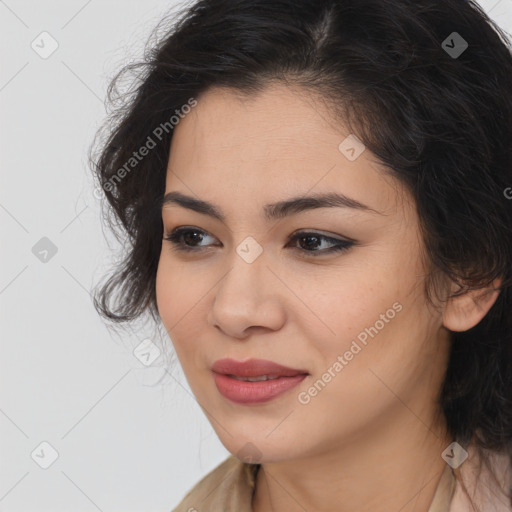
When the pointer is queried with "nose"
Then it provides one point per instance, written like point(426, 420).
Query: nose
point(248, 298)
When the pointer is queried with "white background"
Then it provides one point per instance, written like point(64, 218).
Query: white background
point(129, 437)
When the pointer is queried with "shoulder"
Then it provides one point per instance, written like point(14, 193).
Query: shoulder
point(228, 487)
point(487, 480)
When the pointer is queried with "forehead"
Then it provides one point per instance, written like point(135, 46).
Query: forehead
point(280, 142)
point(267, 124)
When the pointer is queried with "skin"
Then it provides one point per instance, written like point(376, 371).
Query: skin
point(372, 438)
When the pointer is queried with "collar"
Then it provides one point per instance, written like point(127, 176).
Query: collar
point(230, 486)
point(444, 492)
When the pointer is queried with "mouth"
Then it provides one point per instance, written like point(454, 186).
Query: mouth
point(260, 378)
point(254, 381)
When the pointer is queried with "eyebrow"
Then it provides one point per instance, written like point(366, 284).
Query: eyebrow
point(272, 211)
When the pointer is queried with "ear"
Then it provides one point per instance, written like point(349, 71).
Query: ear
point(464, 312)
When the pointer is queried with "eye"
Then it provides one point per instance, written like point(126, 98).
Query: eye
point(188, 239)
point(310, 241)
point(189, 236)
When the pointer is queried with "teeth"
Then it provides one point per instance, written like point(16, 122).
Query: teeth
point(254, 379)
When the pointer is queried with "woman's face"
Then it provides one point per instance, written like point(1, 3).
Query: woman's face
point(353, 324)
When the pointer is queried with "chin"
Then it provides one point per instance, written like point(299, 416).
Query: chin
point(258, 449)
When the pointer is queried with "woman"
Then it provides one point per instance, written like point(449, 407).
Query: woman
point(315, 194)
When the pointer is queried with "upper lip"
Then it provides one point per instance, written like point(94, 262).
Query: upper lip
point(254, 368)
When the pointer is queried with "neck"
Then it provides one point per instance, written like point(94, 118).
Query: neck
point(393, 466)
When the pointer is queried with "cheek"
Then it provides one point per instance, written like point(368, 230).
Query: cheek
point(181, 296)
point(373, 316)
point(380, 328)
point(349, 304)
point(178, 288)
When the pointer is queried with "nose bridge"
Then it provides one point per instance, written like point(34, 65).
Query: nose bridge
point(245, 296)
point(245, 280)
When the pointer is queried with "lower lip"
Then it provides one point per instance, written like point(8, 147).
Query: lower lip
point(245, 392)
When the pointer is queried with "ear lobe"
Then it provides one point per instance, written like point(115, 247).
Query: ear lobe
point(464, 312)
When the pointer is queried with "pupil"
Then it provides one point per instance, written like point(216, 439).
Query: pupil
point(190, 234)
point(309, 238)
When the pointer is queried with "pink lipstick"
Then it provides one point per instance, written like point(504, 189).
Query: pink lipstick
point(255, 380)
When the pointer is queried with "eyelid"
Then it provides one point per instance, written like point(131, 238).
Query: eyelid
point(326, 234)
point(306, 231)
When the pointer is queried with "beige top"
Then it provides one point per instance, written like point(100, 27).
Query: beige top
point(229, 488)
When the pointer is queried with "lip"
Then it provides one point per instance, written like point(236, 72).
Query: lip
point(254, 368)
point(244, 392)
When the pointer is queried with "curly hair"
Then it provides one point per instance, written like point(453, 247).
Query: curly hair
point(440, 121)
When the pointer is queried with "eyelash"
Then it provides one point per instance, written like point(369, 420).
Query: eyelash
point(342, 245)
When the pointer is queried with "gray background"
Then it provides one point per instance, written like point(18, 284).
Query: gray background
point(129, 435)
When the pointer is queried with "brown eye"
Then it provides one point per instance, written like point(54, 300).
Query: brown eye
point(187, 239)
point(310, 242)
